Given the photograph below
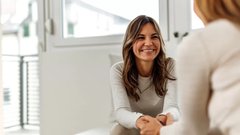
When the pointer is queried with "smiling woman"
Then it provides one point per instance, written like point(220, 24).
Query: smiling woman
point(143, 84)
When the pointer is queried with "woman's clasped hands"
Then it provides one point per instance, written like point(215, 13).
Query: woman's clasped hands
point(151, 126)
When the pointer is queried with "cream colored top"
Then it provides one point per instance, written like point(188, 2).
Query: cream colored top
point(127, 110)
point(208, 72)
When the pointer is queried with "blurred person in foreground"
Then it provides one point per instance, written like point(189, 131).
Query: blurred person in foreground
point(208, 72)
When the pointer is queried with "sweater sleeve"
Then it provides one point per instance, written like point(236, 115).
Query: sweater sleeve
point(170, 101)
point(122, 111)
point(193, 89)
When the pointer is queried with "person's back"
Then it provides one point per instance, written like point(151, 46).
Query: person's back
point(218, 47)
point(208, 72)
point(221, 41)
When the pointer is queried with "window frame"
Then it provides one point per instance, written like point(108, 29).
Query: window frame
point(54, 31)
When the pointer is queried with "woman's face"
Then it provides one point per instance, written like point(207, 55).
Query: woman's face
point(147, 45)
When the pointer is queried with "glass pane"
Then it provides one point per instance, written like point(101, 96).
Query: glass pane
point(88, 18)
point(19, 19)
point(195, 21)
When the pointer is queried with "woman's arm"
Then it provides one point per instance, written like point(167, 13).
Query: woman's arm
point(170, 107)
point(122, 110)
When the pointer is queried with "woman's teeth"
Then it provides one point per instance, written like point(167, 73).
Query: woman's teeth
point(147, 50)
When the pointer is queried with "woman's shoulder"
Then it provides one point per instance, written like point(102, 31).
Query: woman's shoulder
point(214, 30)
point(222, 25)
point(219, 28)
point(212, 35)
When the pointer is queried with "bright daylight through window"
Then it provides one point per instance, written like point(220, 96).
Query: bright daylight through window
point(89, 18)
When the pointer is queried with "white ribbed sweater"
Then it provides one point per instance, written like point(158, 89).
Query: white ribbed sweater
point(208, 72)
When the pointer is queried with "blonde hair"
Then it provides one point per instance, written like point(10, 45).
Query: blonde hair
point(220, 9)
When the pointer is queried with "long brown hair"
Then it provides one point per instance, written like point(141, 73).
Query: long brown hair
point(220, 9)
point(162, 66)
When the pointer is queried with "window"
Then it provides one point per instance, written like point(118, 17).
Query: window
point(80, 21)
point(88, 18)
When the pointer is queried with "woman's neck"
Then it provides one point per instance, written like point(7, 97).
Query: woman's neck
point(145, 68)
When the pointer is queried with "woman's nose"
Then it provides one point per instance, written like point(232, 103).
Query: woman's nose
point(148, 41)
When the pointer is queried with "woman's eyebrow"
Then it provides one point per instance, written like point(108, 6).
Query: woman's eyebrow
point(154, 34)
point(141, 35)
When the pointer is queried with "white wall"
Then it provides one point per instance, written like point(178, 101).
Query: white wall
point(75, 90)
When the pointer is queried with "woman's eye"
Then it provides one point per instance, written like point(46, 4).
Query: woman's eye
point(140, 38)
point(154, 37)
